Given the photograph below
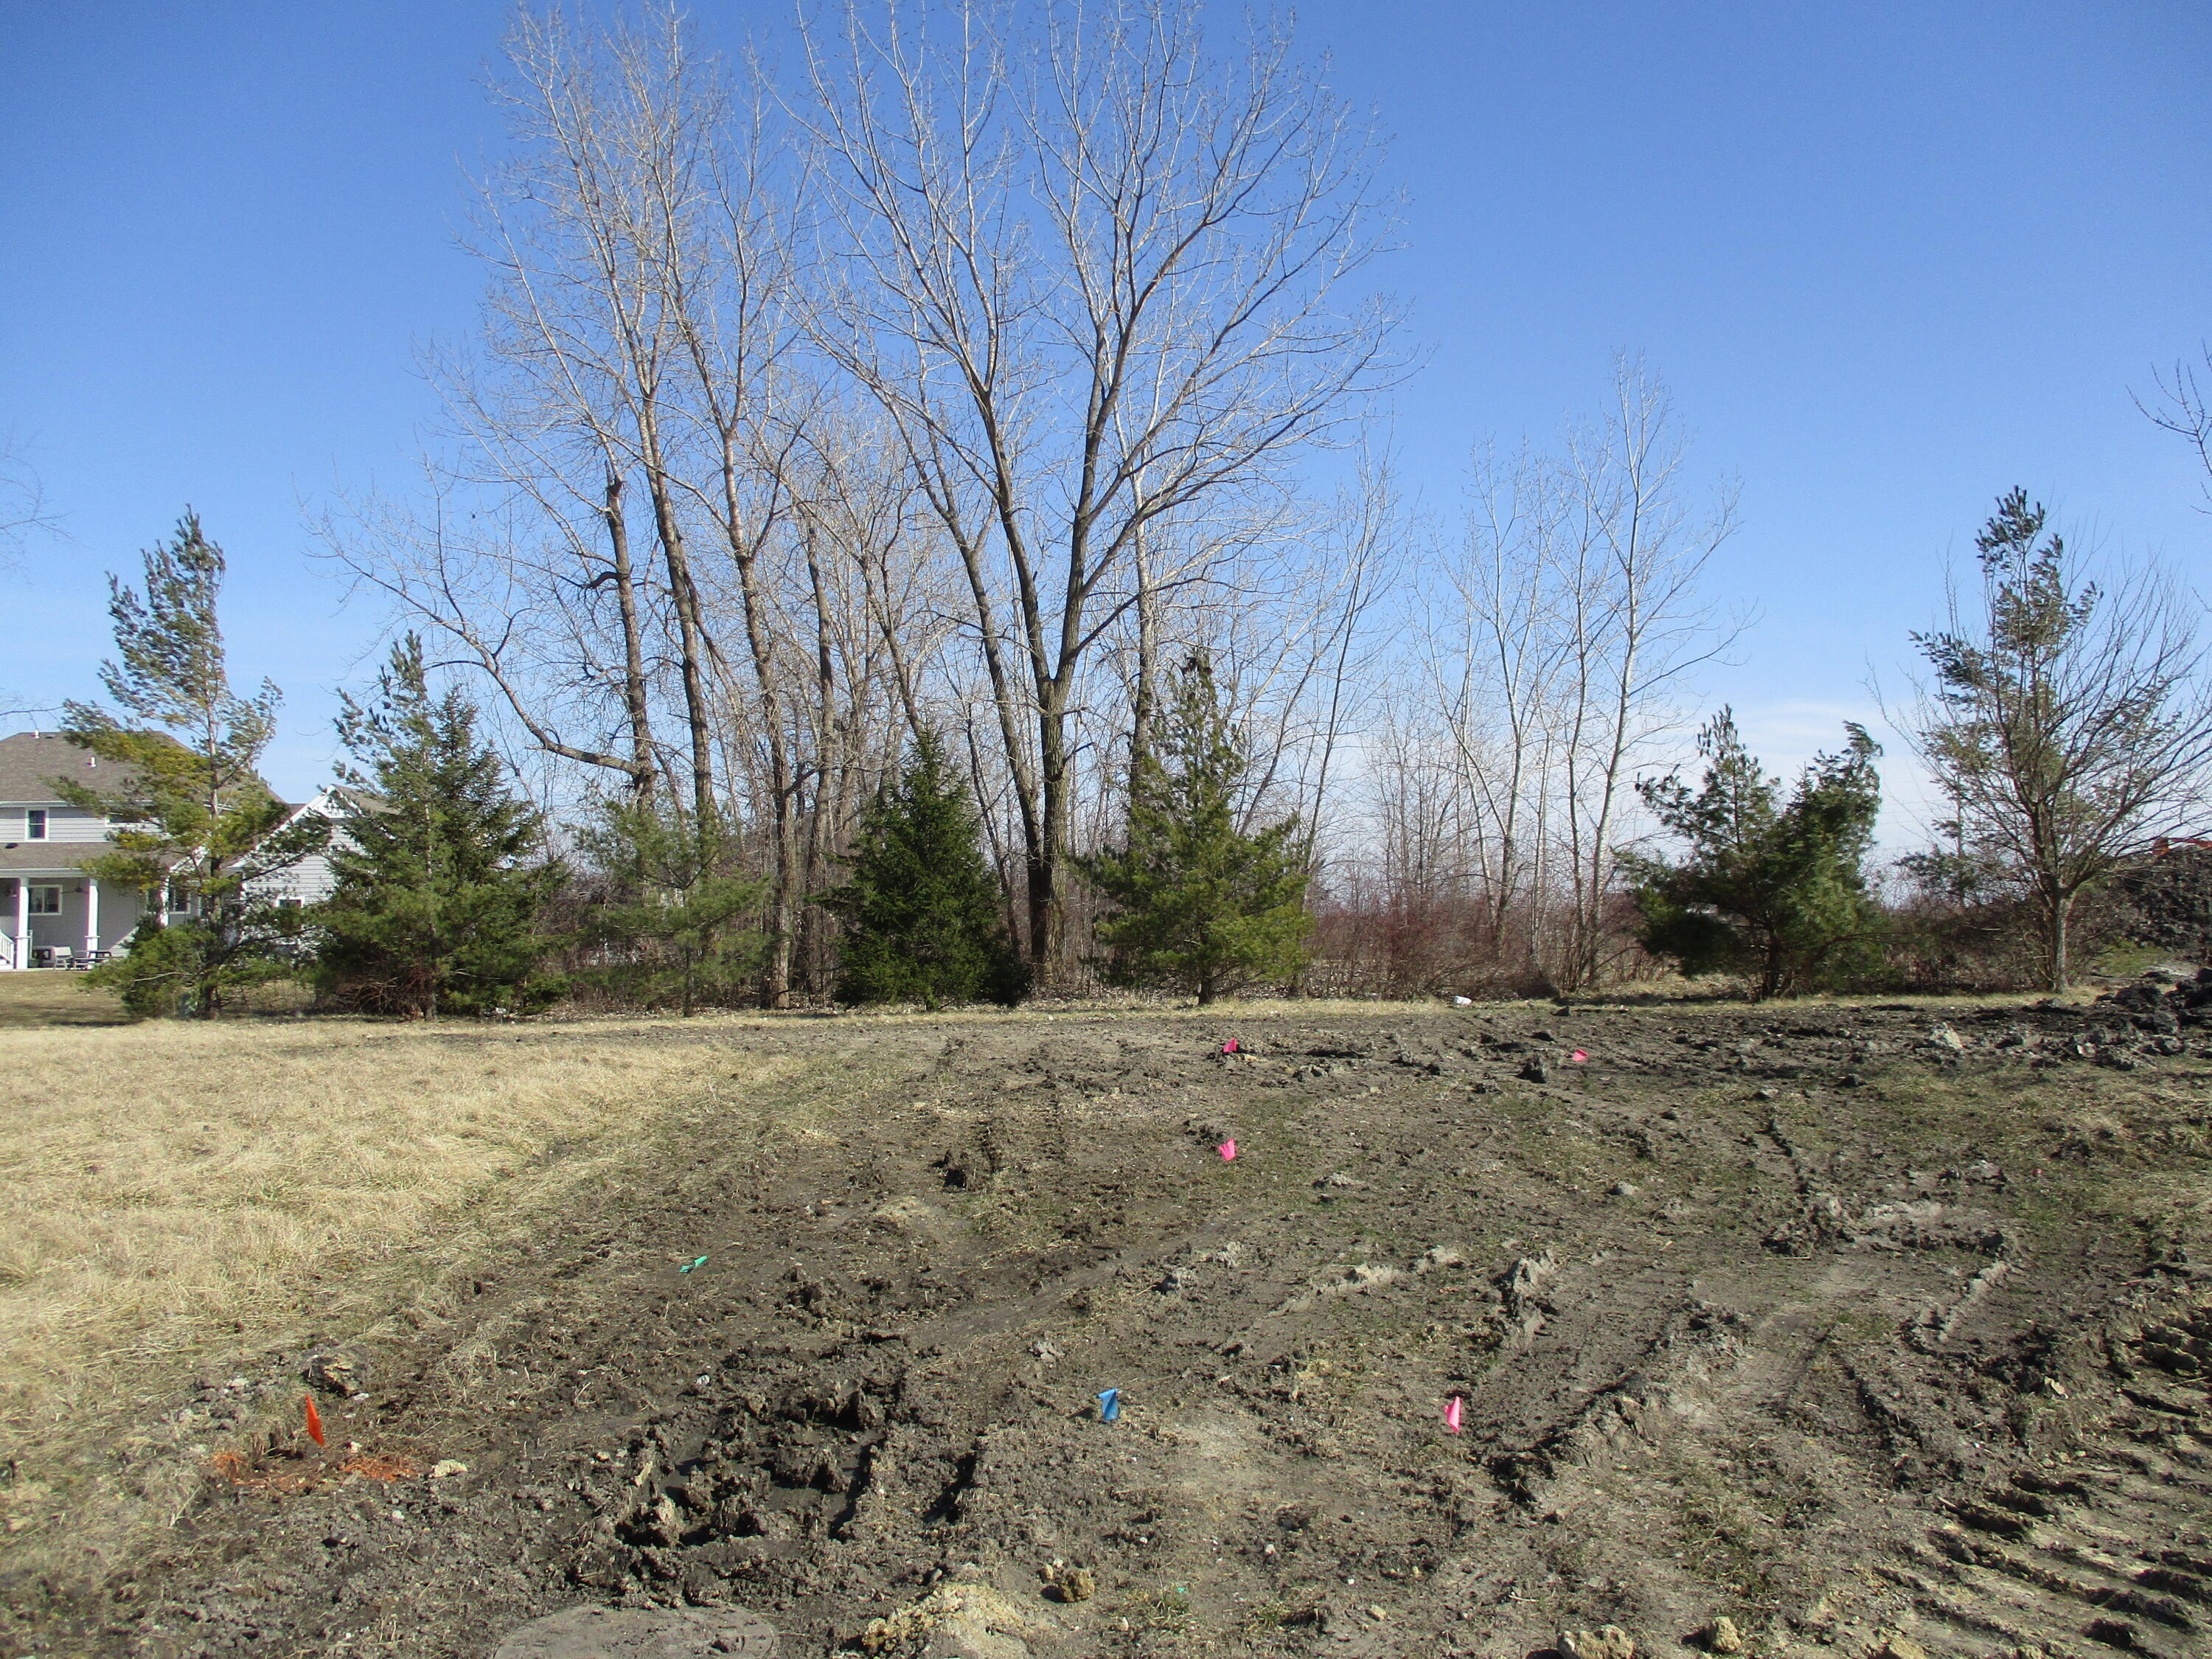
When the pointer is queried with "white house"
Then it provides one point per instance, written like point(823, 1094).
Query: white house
point(52, 914)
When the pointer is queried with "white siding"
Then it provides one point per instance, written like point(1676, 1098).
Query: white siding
point(310, 880)
point(63, 823)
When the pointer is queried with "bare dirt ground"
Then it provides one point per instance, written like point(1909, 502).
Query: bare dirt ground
point(1861, 1326)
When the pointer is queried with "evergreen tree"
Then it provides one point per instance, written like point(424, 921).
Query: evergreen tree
point(670, 922)
point(923, 915)
point(196, 822)
point(1198, 905)
point(440, 871)
point(1771, 890)
point(2068, 719)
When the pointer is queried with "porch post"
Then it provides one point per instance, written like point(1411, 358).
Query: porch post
point(91, 915)
point(22, 958)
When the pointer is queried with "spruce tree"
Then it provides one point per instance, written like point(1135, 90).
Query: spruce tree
point(671, 920)
point(1774, 890)
point(924, 918)
point(441, 872)
point(195, 821)
point(1200, 906)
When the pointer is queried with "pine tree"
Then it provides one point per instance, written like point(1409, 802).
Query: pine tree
point(196, 821)
point(1775, 890)
point(924, 918)
point(1198, 905)
point(2068, 721)
point(441, 874)
point(670, 922)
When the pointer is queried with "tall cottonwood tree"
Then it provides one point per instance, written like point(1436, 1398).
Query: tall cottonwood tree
point(2067, 721)
point(630, 385)
point(2183, 407)
point(742, 497)
point(1096, 276)
point(1558, 635)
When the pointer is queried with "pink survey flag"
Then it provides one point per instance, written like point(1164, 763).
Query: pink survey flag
point(1451, 1415)
point(1578, 1056)
point(1231, 1047)
point(1227, 1149)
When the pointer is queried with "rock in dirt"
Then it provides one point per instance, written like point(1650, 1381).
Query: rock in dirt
point(1527, 1279)
point(1065, 1584)
point(967, 1620)
point(904, 1215)
point(589, 1632)
point(1722, 1637)
point(340, 1374)
point(1942, 1036)
point(1610, 1642)
point(1900, 1647)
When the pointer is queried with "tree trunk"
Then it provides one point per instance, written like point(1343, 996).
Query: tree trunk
point(691, 651)
point(2061, 911)
point(635, 705)
point(1147, 695)
point(783, 783)
point(1047, 846)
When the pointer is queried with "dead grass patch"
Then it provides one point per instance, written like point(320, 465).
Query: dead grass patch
point(184, 1196)
point(39, 999)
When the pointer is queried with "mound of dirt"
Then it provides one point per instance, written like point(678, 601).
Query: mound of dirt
point(1643, 1330)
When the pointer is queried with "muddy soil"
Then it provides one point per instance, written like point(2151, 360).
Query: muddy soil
point(1859, 1328)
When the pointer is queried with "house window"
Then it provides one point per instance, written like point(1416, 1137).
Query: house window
point(46, 902)
point(34, 824)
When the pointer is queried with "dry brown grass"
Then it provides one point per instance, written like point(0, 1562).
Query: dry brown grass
point(42, 998)
point(181, 1196)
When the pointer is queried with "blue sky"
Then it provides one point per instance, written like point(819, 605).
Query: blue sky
point(1891, 260)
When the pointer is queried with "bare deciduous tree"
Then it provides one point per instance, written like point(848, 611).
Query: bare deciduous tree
point(2185, 409)
point(23, 511)
point(1558, 639)
point(1093, 277)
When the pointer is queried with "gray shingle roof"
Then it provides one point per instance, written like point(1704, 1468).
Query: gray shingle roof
point(47, 857)
point(30, 759)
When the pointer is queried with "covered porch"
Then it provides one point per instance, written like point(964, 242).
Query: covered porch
point(54, 915)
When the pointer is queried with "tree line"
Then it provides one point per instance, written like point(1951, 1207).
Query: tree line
point(880, 504)
point(452, 894)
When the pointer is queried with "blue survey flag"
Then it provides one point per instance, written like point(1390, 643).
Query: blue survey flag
point(1109, 1405)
